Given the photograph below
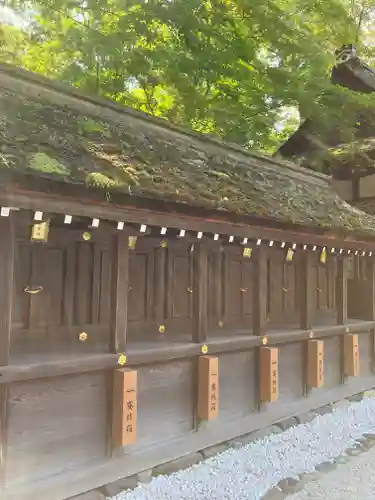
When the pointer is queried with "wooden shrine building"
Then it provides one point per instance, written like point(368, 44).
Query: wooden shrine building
point(161, 292)
point(351, 164)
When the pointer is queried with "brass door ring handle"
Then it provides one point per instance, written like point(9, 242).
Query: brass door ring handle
point(33, 290)
point(319, 289)
point(190, 290)
point(285, 290)
point(243, 289)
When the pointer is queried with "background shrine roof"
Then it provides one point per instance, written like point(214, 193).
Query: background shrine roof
point(328, 149)
point(51, 130)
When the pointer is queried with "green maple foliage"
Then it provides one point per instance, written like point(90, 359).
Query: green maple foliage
point(224, 67)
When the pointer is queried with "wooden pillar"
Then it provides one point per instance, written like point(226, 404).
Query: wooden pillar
point(7, 242)
point(342, 291)
point(260, 291)
point(200, 283)
point(160, 284)
point(306, 290)
point(120, 290)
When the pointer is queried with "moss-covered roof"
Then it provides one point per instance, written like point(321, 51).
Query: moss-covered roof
point(50, 132)
point(366, 204)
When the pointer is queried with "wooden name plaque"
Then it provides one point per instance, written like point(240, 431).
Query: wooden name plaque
point(315, 363)
point(124, 423)
point(269, 374)
point(208, 387)
point(351, 355)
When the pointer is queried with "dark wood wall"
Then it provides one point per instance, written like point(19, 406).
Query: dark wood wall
point(158, 304)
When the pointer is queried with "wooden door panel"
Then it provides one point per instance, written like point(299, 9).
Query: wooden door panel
point(74, 280)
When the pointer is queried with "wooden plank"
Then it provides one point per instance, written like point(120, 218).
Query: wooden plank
point(38, 307)
point(306, 291)
point(120, 291)
point(7, 261)
point(315, 363)
point(214, 289)
point(69, 288)
point(40, 442)
point(208, 387)
point(351, 366)
point(260, 290)
point(276, 283)
point(268, 374)
point(200, 285)
point(105, 288)
point(160, 285)
point(342, 291)
point(124, 408)
point(166, 398)
point(3, 432)
point(96, 284)
point(83, 283)
point(6, 286)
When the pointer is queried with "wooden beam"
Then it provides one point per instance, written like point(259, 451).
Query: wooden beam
point(200, 284)
point(342, 291)
point(7, 252)
point(305, 290)
point(259, 290)
point(140, 356)
point(213, 222)
point(120, 290)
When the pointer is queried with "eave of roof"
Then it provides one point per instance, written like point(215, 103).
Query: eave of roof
point(50, 132)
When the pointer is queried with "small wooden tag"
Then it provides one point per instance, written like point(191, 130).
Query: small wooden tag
point(208, 387)
point(351, 355)
point(269, 374)
point(124, 423)
point(315, 363)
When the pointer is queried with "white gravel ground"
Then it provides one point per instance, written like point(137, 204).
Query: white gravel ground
point(352, 481)
point(249, 472)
